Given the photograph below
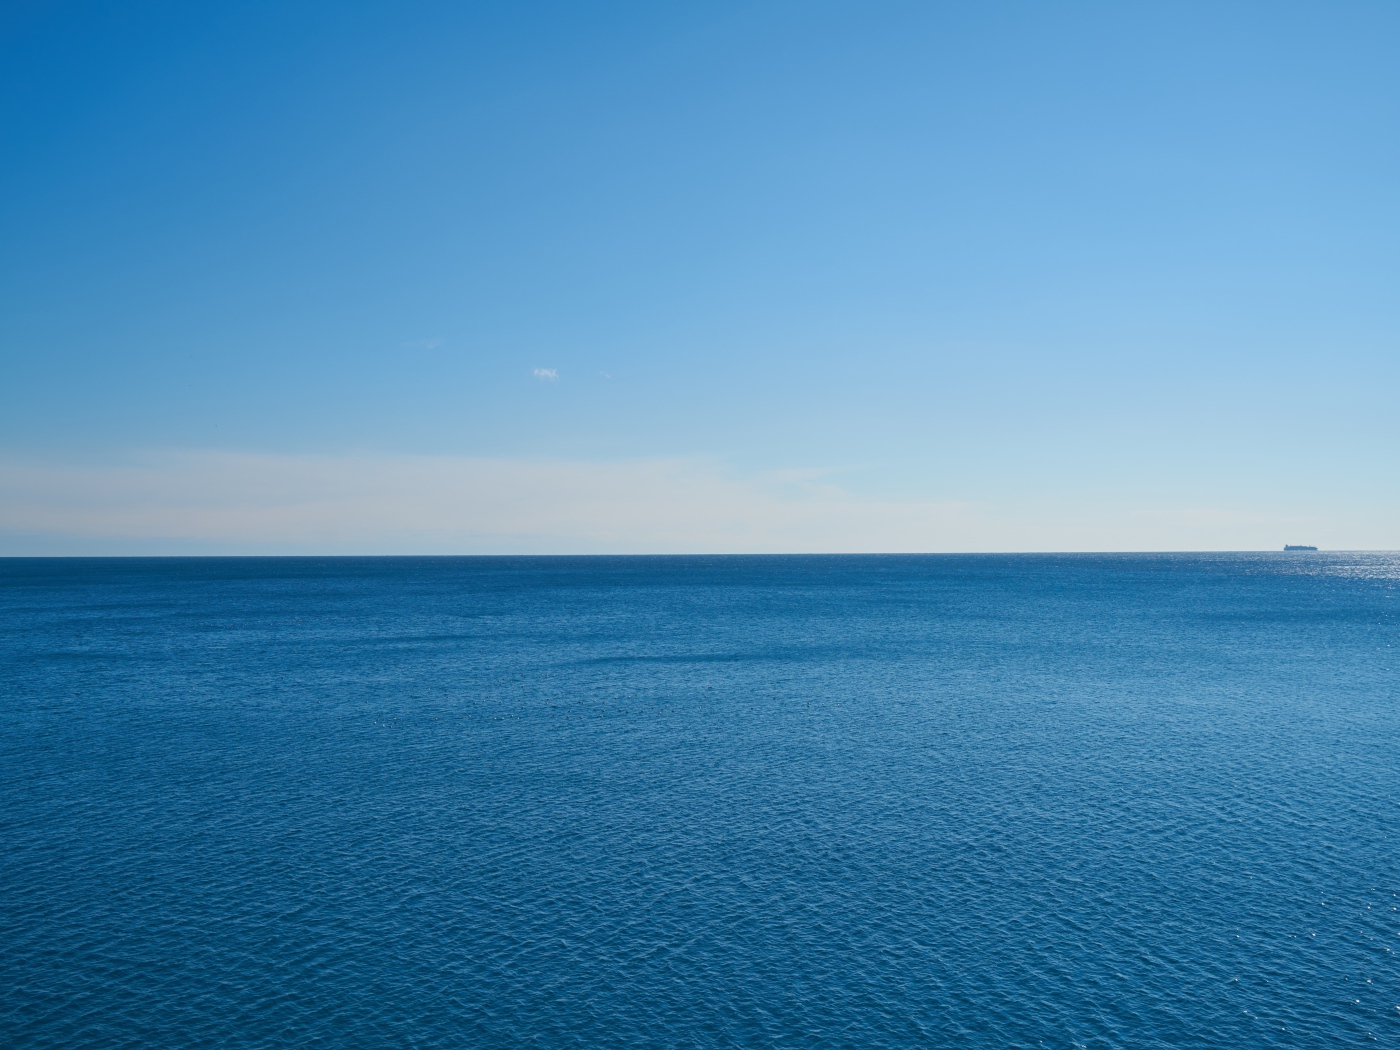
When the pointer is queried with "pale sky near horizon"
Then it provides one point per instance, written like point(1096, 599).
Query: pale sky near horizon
point(430, 277)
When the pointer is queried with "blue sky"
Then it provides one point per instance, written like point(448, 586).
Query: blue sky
point(817, 276)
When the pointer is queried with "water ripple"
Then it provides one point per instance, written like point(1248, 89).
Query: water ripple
point(1119, 801)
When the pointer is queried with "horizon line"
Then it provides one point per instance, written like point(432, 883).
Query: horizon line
point(697, 554)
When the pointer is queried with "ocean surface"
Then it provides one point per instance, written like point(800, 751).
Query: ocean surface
point(885, 801)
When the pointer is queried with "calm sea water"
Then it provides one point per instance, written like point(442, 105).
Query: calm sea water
point(1031, 801)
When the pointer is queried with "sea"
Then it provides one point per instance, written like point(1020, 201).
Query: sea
point(1069, 801)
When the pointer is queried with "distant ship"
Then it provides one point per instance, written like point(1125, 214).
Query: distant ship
point(1297, 547)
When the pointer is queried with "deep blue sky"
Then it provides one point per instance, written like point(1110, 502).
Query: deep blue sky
point(1107, 258)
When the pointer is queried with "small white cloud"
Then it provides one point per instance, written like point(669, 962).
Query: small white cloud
point(549, 375)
